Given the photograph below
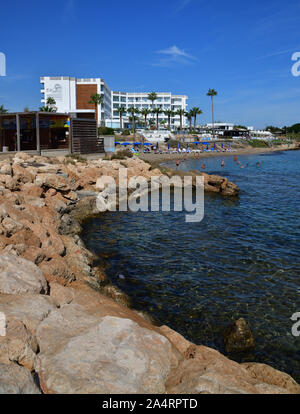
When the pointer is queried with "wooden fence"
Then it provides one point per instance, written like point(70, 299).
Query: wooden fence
point(84, 137)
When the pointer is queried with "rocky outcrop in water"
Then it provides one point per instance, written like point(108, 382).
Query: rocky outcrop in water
point(238, 337)
point(65, 322)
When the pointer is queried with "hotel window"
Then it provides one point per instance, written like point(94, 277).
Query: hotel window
point(123, 99)
point(116, 98)
point(166, 99)
point(130, 99)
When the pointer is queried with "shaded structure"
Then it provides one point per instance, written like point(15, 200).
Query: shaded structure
point(37, 131)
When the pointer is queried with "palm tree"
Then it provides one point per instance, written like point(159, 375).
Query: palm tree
point(181, 113)
point(46, 109)
point(157, 111)
point(121, 111)
point(169, 113)
point(3, 110)
point(152, 97)
point(145, 112)
point(96, 99)
point(133, 111)
point(196, 111)
point(50, 105)
point(189, 116)
point(212, 93)
point(51, 101)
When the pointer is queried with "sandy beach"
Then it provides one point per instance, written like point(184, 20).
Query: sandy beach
point(152, 157)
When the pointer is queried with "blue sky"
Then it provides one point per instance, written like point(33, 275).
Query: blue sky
point(241, 49)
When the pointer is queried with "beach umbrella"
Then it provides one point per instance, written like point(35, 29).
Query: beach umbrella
point(196, 142)
point(187, 146)
point(147, 143)
point(168, 145)
point(137, 143)
point(126, 143)
point(222, 145)
point(157, 145)
point(117, 143)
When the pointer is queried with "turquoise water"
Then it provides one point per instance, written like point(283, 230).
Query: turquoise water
point(242, 260)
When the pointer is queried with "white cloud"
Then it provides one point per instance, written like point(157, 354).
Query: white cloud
point(174, 54)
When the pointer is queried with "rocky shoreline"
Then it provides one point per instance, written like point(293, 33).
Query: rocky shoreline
point(68, 329)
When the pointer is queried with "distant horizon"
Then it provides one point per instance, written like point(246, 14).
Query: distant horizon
point(184, 47)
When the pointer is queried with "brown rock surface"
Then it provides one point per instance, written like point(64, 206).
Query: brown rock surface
point(238, 337)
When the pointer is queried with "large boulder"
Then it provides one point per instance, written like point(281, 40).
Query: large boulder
point(114, 355)
point(16, 380)
point(238, 337)
point(18, 275)
point(53, 181)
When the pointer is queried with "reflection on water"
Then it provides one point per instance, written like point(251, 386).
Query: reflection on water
point(242, 260)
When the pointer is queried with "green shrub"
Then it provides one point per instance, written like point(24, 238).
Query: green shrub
point(257, 143)
point(121, 155)
point(72, 157)
point(105, 131)
point(125, 132)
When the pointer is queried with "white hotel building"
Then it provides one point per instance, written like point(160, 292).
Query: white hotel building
point(72, 96)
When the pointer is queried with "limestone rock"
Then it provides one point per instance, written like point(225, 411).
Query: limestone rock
point(113, 356)
point(238, 337)
point(16, 380)
point(209, 372)
point(29, 308)
point(18, 345)
point(18, 275)
point(271, 376)
point(53, 181)
point(61, 294)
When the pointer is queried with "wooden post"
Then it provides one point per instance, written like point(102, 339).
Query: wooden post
point(37, 126)
point(71, 136)
point(18, 133)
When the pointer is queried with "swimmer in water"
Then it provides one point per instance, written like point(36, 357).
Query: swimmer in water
point(223, 163)
point(235, 158)
point(203, 166)
point(177, 164)
point(247, 165)
point(257, 164)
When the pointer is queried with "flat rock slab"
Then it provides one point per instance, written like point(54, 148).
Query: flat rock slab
point(16, 380)
point(113, 356)
point(18, 275)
